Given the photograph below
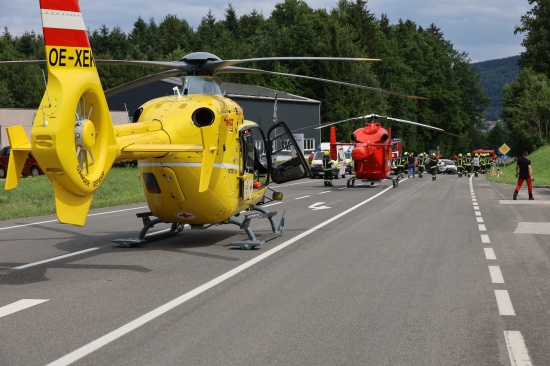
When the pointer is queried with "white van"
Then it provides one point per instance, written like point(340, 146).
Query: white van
point(338, 169)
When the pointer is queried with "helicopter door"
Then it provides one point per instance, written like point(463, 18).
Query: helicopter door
point(285, 159)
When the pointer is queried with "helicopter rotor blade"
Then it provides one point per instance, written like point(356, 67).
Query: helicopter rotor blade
point(243, 70)
point(141, 81)
point(376, 116)
point(225, 63)
point(208, 64)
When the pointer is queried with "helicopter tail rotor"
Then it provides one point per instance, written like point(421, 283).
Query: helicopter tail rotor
point(72, 135)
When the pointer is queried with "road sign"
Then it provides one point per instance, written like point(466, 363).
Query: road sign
point(504, 157)
point(504, 149)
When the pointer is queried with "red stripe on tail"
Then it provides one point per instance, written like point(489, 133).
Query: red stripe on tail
point(66, 38)
point(66, 5)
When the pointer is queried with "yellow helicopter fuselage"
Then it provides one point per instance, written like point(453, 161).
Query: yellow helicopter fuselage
point(171, 181)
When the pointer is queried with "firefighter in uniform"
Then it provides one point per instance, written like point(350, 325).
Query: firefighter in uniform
point(421, 162)
point(468, 164)
point(475, 162)
point(460, 165)
point(400, 164)
point(433, 166)
point(327, 169)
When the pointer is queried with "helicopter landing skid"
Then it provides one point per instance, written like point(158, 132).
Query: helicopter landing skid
point(351, 181)
point(175, 229)
point(245, 225)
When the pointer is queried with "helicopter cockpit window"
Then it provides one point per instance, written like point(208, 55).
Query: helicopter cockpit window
point(201, 85)
point(254, 153)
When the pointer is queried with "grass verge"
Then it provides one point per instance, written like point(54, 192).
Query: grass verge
point(540, 163)
point(34, 196)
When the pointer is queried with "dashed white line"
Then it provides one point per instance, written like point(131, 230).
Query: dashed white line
point(504, 303)
point(481, 227)
point(490, 254)
point(519, 356)
point(19, 305)
point(496, 274)
point(479, 219)
point(485, 239)
point(299, 198)
point(90, 215)
point(54, 258)
point(478, 213)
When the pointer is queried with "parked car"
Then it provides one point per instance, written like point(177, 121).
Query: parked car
point(31, 167)
point(447, 166)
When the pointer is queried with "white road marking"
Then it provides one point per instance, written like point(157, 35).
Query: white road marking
point(523, 202)
point(317, 206)
point(54, 258)
point(478, 213)
point(490, 254)
point(144, 319)
point(519, 355)
point(541, 228)
point(479, 219)
point(48, 221)
point(496, 274)
point(19, 305)
point(481, 227)
point(485, 239)
point(476, 208)
point(504, 303)
point(324, 192)
point(272, 204)
point(475, 204)
point(299, 198)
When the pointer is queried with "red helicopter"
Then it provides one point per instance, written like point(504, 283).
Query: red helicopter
point(372, 152)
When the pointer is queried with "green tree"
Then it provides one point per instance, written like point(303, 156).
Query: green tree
point(536, 27)
point(527, 110)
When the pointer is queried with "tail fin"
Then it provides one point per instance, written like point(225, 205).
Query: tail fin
point(333, 147)
point(20, 147)
point(72, 136)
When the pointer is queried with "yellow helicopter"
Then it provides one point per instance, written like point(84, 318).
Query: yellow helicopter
point(200, 161)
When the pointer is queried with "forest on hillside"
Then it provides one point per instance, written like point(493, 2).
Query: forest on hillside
point(494, 75)
point(415, 61)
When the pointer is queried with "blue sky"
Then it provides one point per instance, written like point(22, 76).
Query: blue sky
point(484, 29)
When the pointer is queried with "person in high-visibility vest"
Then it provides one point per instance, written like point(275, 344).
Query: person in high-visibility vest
point(327, 169)
point(460, 165)
point(433, 166)
point(421, 162)
point(468, 163)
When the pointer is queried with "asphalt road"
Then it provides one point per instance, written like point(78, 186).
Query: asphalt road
point(451, 272)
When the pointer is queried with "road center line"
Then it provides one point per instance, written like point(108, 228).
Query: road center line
point(18, 306)
point(485, 239)
point(519, 356)
point(490, 254)
point(54, 258)
point(144, 319)
point(504, 303)
point(496, 274)
point(90, 215)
